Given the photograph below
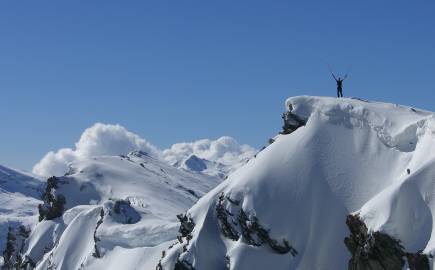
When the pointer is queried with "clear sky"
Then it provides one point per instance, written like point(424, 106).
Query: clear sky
point(175, 71)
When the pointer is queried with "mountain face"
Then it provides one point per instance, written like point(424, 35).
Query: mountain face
point(351, 189)
point(104, 207)
point(349, 186)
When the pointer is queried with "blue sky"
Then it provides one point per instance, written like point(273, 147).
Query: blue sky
point(184, 70)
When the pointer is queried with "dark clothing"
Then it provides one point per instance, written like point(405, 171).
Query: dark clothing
point(339, 81)
point(339, 92)
point(339, 87)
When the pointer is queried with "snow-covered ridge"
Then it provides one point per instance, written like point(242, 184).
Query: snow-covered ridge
point(104, 205)
point(396, 125)
point(369, 159)
point(353, 177)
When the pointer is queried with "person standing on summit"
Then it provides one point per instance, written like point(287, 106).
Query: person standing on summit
point(339, 84)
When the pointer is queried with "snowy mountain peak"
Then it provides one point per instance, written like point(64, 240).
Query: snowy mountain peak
point(195, 163)
point(355, 170)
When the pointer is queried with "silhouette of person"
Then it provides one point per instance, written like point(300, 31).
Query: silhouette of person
point(339, 84)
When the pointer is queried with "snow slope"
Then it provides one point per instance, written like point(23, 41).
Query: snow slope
point(19, 198)
point(351, 157)
point(115, 206)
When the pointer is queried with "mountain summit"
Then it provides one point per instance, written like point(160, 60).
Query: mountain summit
point(350, 185)
point(352, 188)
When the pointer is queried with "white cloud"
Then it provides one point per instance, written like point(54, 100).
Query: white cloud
point(225, 150)
point(103, 139)
point(100, 139)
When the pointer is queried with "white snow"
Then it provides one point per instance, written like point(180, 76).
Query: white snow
point(100, 139)
point(220, 156)
point(19, 198)
point(351, 157)
point(155, 191)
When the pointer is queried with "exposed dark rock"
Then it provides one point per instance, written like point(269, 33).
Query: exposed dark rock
point(159, 265)
point(54, 204)
point(183, 265)
point(15, 242)
point(291, 122)
point(252, 232)
point(255, 234)
point(377, 250)
point(97, 253)
point(247, 233)
point(225, 225)
point(138, 153)
point(123, 212)
point(9, 253)
point(235, 202)
point(186, 225)
point(417, 261)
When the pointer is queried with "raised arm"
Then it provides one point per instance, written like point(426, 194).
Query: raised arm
point(333, 76)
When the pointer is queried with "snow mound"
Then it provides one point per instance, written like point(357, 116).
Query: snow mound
point(287, 208)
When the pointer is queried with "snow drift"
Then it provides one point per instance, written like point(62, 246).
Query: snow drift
point(350, 188)
point(287, 208)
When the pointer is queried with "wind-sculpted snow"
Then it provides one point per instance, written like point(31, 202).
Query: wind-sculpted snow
point(370, 159)
point(111, 205)
point(353, 188)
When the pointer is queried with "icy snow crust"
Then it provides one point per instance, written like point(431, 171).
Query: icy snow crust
point(351, 157)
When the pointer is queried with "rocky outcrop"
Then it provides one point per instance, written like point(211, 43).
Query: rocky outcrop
point(224, 220)
point(14, 247)
point(377, 250)
point(123, 212)
point(186, 228)
point(186, 225)
point(183, 265)
point(291, 122)
point(248, 228)
point(54, 204)
point(97, 252)
point(417, 261)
